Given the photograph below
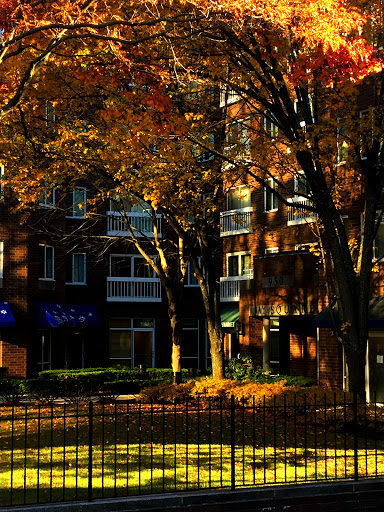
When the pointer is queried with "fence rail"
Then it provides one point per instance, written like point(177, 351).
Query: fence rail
point(57, 453)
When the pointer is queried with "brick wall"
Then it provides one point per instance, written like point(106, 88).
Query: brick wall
point(15, 358)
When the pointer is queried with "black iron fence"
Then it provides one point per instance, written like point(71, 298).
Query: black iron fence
point(67, 452)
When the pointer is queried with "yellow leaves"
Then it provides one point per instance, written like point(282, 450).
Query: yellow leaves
point(345, 327)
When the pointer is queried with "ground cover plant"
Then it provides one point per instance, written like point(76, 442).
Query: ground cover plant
point(64, 452)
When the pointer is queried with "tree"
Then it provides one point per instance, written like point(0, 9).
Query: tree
point(301, 66)
point(34, 33)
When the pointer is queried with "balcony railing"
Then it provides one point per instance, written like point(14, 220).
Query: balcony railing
point(236, 222)
point(230, 287)
point(298, 215)
point(133, 289)
point(141, 223)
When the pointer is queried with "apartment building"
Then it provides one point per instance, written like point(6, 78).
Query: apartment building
point(75, 293)
point(277, 284)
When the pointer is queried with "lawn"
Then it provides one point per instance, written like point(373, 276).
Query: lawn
point(51, 454)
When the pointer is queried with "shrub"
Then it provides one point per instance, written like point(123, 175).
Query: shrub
point(166, 393)
point(44, 390)
point(12, 390)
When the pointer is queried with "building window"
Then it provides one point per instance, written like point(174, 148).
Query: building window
point(130, 266)
point(131, 341)
point(270, 199)
point(46, 262)
point(342, 144)
point(301, 186)
point(76, 268)
point(270, 128)
point(47, 197)
point(191, 279)
point(239, 264)
point(76, 203)
point(378, 244)
point(190, 352)
point(45, 350)
point(239, 197)
point(272, 250)
point(2, 171)
point(274, 339)
point(238, 136)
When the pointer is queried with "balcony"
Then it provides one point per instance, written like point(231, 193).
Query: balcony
point(230, 287)
point(141, 223)
point(297, 215)
point(133, 289)
point(236, 222)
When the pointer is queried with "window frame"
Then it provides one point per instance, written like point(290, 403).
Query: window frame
point(342, 144)
point(245, 272)
point(44, 193)
point(267, 193)
point(84, 264)
point(70, 210)
point(44, 263)
point(132, 257)
point(238, 187)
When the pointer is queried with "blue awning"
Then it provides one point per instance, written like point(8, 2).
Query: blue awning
point(50, 314)
point(375, 315)
point(6, 317)
point(83, 315)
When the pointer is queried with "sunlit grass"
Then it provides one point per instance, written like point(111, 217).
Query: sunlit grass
point(44, 456)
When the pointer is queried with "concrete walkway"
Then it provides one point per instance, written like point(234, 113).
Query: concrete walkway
point(366, 495)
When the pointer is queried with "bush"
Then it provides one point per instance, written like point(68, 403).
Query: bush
point(12, 390)
point(44, 390)
point(245, 368)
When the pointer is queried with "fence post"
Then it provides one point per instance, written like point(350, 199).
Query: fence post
point(233, 441)
point(355, 438)
point(90, 449)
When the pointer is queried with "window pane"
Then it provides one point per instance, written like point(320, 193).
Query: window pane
point(120, 344)
point(142, 323)
point(120, 266)
point(143, 348)
point(379, 242)
point(239, 197)
point(79, 202)
point(78, 268)
point(41, 261)
point(142, 268)
point(49, 262)
point(245, 263)
point(120, 322)
point(233, 266)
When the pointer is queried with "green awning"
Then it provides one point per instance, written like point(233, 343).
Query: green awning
point(229, 316)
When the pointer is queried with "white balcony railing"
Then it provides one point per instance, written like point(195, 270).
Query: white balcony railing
point(133, 289)
point(235, 222)
point(141, 223)
point(230, 287)
point(298, 215)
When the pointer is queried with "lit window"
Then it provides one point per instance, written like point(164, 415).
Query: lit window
point(47, 197)
point(46, 262)
point(270, 128)
point(270, 199)
point(239, 264)
point(342, 144)
point(238, 198)
point(76, 203)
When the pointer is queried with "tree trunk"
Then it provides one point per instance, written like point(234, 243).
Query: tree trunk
point(217, 352)
point(176, 320)
point(355, 371)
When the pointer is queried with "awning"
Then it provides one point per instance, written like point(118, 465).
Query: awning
point(229, 316)
point(83, 315)
point(375, 315)
point(50, 314)
point(6, 317)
